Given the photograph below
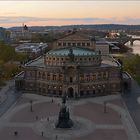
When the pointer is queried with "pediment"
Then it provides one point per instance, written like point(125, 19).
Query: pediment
point(75, 37)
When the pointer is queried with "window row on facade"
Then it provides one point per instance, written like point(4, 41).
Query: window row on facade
point(60, 77)
point(73, 44)
point(52, 59)
point(43, 88)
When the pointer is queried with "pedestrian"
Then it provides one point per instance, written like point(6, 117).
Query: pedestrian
point(120, 116)
point(15, 133)
point(47, 118)
point(42, 133)
point(36, 117)
point(56, 137)
point(52, 100)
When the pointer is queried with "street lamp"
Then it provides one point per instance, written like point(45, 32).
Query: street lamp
point(31, 103)
point(105, 107)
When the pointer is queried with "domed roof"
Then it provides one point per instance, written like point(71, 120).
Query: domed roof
point(76, 51)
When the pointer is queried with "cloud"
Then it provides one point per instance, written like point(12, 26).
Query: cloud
point(88, 20)
point(20, 19)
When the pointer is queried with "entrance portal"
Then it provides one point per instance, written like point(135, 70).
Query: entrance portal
point(70, 92)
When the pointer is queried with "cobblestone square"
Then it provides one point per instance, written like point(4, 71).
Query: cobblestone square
point(90, 115)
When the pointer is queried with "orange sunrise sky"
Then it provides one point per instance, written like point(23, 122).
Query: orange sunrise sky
point(14, 13)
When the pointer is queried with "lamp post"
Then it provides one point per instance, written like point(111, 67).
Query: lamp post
point(105, 107)
point(31, 105)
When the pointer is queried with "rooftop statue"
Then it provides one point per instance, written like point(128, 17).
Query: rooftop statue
point(71, 55)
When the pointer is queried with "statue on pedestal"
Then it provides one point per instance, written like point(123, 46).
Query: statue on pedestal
point(64, 120)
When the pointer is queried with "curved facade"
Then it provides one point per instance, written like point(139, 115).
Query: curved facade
point(73, 71)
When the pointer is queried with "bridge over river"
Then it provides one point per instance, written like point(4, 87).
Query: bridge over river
point(134, 38)
point(124, 40)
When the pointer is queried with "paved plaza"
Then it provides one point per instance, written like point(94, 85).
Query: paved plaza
point(99, 118)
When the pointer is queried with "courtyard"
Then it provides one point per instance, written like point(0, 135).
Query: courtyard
point(33, 117)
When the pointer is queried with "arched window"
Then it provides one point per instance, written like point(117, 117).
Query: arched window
point(81, 92)
point(69, 44)
point(81, 77)
point(99, 75)
point(64, 43)
point(43, 75)
point(60, 77)
point(39, 75)
point(88, 77)
point(83, 44)
point(87, 92)
point(48, 76)
point(31, 74)
point(60, 92)
point(59, 44)
point(78, 44)
point(94, 77)
point(54, 77)
point(71, 79)
point(73, 44)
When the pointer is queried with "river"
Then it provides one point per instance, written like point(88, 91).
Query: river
point(135, 47)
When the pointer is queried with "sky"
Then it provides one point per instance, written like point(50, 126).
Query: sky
point(36, 13)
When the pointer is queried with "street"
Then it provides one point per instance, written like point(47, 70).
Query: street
point(132, 104)
point(12, 96)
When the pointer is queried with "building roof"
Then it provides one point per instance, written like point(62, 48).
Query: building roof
point(102, 43)
point(126, 75)
point(107, 62)
point(77, 51)
point(39, 62)
point(31, 47)
point(75, 36)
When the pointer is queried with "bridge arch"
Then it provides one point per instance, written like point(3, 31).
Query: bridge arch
point(133, 40)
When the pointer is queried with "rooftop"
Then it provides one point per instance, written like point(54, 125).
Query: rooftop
point(39, 62)
point(106, 62)
point(34, 47)
point(109, 61)
point(77, 51)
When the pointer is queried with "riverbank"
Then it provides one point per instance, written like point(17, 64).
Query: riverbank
point(131, 64)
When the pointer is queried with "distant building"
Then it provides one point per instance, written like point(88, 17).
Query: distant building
point(73, 68)
point(103, 46)
point(22, 33)
point(32, 49)
point(4, 35)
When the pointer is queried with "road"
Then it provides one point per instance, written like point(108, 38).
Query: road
point(12, 96)
point(132, 104)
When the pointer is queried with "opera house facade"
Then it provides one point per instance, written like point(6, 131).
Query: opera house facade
point(73, 68)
